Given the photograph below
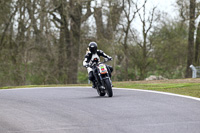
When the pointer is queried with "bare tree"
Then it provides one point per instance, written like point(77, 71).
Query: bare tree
point(129, 14)
point(147, 23)
point(183, 9)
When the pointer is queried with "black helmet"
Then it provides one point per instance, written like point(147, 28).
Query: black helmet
point(93, 47)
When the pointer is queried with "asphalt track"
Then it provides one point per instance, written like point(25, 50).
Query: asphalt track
point(80, 110)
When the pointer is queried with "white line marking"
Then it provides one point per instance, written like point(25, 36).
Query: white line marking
point(159, 92)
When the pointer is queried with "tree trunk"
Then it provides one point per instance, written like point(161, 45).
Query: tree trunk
point(64, 34)
point(190, 53)
point(197, 47)
point(125, 45)
point(99, 22)
point(61, 56)
point(73, 46)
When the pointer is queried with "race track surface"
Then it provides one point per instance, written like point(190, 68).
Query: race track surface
point(81, 110)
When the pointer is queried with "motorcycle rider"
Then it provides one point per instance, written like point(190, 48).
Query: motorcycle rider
point(92, 55)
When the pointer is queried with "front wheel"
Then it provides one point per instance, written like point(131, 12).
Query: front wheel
point(101, 93)
point(108, 87)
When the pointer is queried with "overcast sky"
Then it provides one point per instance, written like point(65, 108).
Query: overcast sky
point(164, 5)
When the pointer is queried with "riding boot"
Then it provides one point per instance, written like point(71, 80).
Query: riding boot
point(93, 84)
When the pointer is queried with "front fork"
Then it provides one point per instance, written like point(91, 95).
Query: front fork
point(102, 79)
point(99, 78)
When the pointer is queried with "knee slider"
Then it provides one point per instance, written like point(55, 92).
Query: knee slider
point(91, 77)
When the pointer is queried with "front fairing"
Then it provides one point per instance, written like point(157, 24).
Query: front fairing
point(102, 68)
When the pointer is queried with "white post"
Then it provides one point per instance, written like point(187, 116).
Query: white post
point(194, 71)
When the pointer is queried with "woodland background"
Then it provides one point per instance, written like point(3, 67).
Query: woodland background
point(44, 41)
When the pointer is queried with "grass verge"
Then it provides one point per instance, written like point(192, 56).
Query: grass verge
point(189, 89)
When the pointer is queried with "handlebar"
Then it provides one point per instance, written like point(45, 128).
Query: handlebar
point(105, 60)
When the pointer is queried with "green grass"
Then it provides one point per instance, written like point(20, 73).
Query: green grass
point(189, 89)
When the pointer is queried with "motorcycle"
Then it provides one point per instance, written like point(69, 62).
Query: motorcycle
point(103, 76)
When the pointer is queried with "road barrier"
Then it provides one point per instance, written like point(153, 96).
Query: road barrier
point(195, 71)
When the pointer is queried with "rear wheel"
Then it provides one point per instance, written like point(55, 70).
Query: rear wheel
point(108, 87)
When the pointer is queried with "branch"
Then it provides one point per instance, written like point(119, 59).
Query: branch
point(151, 21)
point(138, 9)
point(127, 14)
point(123, 27)
point(120, 38)
point(182, 13)
point(88, 13)
point(57, 26)
point(135, 38)
point(56, 18)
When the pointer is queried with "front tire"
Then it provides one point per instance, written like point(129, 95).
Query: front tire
point(108, 87)
point(101, 93)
